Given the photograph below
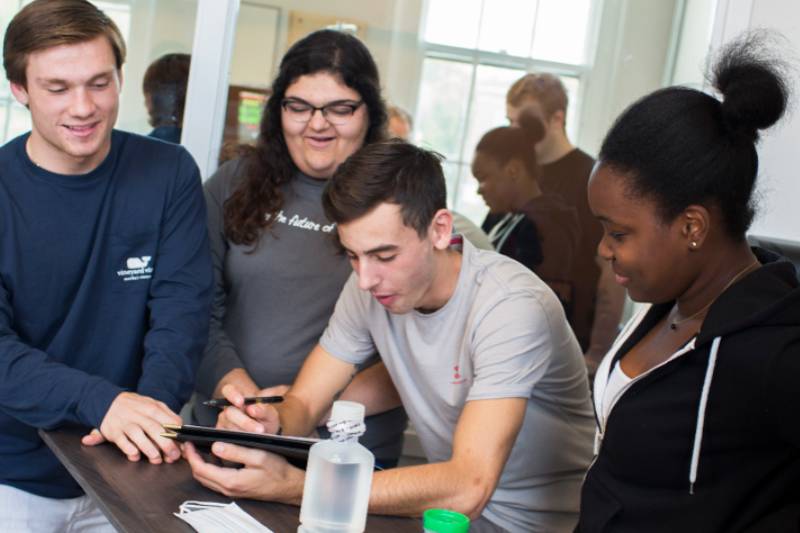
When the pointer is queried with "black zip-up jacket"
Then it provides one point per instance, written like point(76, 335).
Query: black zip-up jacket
point(747, 460)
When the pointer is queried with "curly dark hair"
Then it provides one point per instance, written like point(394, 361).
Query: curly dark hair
point(679, 146)
point(268, 165)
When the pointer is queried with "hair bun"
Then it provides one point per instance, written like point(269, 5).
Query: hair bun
point(532, 126)
point(753, 85)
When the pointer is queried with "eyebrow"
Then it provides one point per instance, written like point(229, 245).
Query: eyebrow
point(607, 220)
point(59, 81)
point(332, 102)
point(377, 249)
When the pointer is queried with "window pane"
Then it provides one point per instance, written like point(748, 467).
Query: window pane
point(453, 22)
point(452, 172)
point(120, 14)
point(8, 8)
point(467, 201)
point(507, 26)
point(19, 121)
point(151, 29)
point(442, 105)
point(573, 105)
point(3, 117)
point(488, 104)
point(488, 111)
point(560, 33)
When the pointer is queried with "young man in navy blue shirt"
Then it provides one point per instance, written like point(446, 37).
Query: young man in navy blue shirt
point(105, 274)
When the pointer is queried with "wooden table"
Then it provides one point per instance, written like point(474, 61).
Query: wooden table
point(140, 497)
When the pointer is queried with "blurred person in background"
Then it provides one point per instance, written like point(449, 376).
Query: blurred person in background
point(598, 301)
point(400, 123)
point(164, 88)
point(537, 229)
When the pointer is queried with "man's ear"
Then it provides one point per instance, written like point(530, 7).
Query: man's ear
point(558, 119)
point(441, 229)
point(20, 93)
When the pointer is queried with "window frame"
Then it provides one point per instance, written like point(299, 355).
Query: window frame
point(476, 57)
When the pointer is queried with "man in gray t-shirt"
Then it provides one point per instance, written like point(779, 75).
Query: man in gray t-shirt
point(476, 345)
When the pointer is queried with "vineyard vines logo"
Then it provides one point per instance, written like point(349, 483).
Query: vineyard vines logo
point(138, 262)
point(137, 268)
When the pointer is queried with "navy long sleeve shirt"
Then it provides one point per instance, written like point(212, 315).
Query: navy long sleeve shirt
point(105, 283)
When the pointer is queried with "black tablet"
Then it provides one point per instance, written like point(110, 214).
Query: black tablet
point(295, 448)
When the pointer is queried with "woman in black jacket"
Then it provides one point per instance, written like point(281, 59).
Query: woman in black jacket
point(697, 400)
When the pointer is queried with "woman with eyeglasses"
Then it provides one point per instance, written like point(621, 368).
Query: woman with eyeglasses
point(278, 271)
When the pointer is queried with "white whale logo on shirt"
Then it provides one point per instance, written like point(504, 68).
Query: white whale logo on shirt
point(138, 262)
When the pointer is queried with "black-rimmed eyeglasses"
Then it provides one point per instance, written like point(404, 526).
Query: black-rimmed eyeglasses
point(337, 113)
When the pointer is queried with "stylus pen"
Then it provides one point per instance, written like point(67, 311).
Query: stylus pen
point(222, 402)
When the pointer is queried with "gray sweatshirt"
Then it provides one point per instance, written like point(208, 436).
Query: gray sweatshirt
point(273, 301)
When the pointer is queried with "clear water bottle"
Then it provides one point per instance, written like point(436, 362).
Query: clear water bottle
point(339, 476)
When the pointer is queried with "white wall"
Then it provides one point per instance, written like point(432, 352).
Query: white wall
point(693, 43)
point(630, 61)
point(779, 183)
point(391, 37)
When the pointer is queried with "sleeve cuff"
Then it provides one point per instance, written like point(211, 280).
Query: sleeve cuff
point(492, 393)
point(330, 346)
point(96, 401)
point(158, 393)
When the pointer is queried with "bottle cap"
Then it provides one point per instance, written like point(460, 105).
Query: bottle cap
point(444, 521)
point(344, 411)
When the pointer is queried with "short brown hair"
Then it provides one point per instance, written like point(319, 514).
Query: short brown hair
point(547, 89)
point(164, 84)
point(47, 23)
point(394, 172)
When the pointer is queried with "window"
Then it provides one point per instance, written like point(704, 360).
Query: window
point(473, 51)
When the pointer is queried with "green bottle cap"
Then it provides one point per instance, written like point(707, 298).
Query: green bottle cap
point(444, 521)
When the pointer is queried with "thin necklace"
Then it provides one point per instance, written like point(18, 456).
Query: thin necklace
point(675, 323)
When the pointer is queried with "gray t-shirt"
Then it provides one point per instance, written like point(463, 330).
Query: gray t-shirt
point(273, 301)
point(502, 334)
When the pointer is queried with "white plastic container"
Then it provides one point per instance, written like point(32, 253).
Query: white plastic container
point(338, 476)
